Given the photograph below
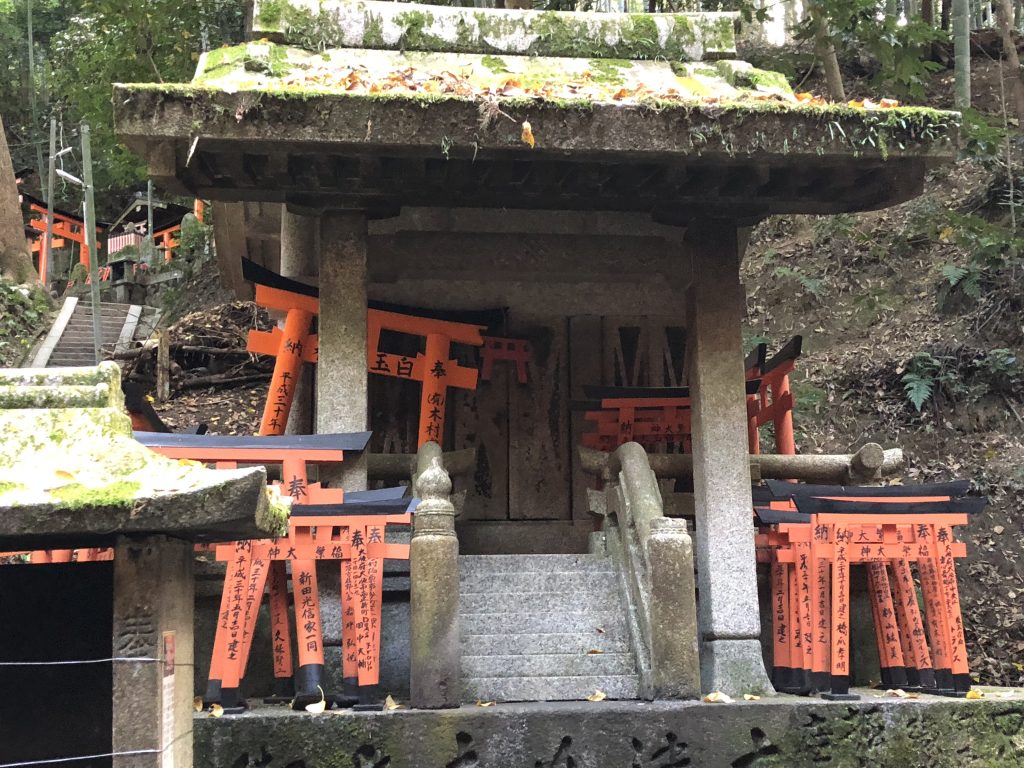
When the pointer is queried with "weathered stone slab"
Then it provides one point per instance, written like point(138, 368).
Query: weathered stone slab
point(318, 24)
point(71, 475)
point(930, 732)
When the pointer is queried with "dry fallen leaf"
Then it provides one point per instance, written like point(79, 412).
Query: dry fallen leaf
point(899, 693)
point(318, 707)
point(600, 630)
point(597, 696)
point(484, 703)
point(63, 474)
point(594, 652)
point(390, 704)
point(527, 134)
point(197, 703)
point(717, 697)
point(216, 710)
point(751, 697)
point(975, 694)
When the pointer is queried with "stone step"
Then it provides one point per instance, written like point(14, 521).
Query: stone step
point(531, 622)
point(568, 582)
point(549, 665)
point(472, 564)
point(613, 640)
point(503, 602)
point(549, 688)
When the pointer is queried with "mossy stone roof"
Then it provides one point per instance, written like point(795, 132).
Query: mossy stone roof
point(71, 475)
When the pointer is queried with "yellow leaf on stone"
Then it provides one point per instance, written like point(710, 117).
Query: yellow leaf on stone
point(216, 710)
point(318, 707)
point(484, 703)
point(527, 134)
point(751, 697)
point(197, 703)
point(150, 399)
point(597, 696)
point(63, 474)
point(975, 694)
point(717, 697)
point(390, 703)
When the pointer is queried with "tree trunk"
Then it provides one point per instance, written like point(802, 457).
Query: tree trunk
point(825, 50)
point(15, 261)
point(1004, 17)
point(962, 53)
point(947, 6)
point(928, 12)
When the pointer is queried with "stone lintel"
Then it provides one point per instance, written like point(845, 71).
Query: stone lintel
point(418, 27)
point(377, 154)
point(781, 731)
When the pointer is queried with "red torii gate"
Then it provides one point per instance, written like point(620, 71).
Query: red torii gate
point(296, 344)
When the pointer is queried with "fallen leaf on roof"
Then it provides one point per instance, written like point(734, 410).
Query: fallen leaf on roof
point(484, 703)
point(527, 134)
point(597, 696)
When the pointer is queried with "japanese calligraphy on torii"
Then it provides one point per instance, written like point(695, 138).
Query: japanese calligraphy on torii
point(432, 367)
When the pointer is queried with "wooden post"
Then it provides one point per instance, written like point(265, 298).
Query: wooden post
point(152, 646)
point(163, 366)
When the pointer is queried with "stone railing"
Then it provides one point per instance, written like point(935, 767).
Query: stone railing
point(655, 555)
point(434, 653)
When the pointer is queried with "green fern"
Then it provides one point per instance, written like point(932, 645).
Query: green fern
point(918, 388)
point(954, 273)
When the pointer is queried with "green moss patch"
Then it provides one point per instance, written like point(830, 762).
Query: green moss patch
point(117, 494)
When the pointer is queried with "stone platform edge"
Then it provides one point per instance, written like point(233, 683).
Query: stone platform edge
point(778, 731)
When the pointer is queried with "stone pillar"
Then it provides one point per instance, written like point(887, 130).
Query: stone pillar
point(341, 391)
point(675, 662)
point(434, 654)
point(300, 260)
point(728, 608)
point(153, 619)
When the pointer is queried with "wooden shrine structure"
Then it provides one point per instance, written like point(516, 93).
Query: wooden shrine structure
point(612, 235)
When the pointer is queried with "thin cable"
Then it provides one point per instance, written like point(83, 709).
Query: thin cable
point(54, 760)
point(118, 659)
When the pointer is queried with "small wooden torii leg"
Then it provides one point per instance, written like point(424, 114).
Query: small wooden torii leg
point(281, 635)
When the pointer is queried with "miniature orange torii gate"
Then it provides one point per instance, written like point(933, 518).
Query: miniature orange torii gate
point(291, 346)
point(811, 616)
point(239, 603)
point(296, 344)
point(315, 532)
point(432, 367)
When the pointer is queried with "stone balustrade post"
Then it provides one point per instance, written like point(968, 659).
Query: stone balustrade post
point(675, 661)
point(434, 656)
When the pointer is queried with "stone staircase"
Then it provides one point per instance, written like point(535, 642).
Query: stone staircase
point(530, 624)
point(69, 342)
